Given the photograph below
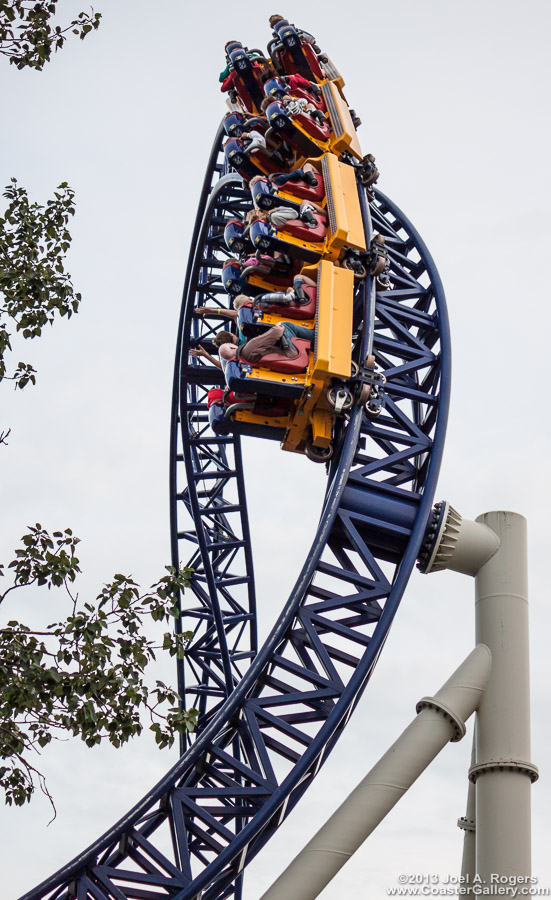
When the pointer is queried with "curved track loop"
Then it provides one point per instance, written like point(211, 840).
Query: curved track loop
point(204, 471)
point(258, 751)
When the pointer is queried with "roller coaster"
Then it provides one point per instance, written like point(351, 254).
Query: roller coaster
point(330, 322)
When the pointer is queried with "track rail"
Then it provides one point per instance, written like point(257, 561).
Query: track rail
point(269, 718)
point(213, 498)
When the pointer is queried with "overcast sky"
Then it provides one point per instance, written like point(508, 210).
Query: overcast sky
point(454, 103)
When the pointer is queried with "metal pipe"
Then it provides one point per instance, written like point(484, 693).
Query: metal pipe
point(468, 824)
point(476, 545)
point(440, 719)
point(503, 772)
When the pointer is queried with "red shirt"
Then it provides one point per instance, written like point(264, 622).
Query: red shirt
point(297, 81)
point(228, 82)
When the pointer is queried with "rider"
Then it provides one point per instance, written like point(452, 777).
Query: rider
point(280, 215)
point(278, 337)
point(304, 35)
point(307, 174)
point(293, 296)
point(294, 106)
point(297, 81)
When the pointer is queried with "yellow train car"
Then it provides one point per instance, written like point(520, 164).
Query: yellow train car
point(288, 397)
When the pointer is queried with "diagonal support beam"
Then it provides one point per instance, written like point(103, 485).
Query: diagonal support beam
point(440, 719)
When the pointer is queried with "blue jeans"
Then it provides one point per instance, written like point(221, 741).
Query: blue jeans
point(292, 329)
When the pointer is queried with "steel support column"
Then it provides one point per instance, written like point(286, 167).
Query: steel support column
point(493, 550)
point(503, 772)
point(468, 824)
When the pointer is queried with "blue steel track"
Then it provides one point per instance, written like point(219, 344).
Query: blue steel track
point(271, 715)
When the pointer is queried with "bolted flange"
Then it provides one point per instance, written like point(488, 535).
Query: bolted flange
point(452, 542)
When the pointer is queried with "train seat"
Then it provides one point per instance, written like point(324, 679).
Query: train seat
point(217, 419)
point(247, 81)
point(299, 229)
point(296, 310)
point(277, 362)
point(237, 157)
point(303, 94)
point(277, 408)
point(216, 396)
point(263, 405)
point(252, 414)
point(301, 189)
point(231, 277)
point(304, 190)
point(264, 238)
point(235, 280)
point(321, 132)
point(249, 324)
point(234, 237)
point(235, 124)
point(246, 379)
point(275, 88)
point(245, 315)
point(249, 163)
point(256, 123)
point(278, 274)
point(309, 144)
point(263, 161)
point(293, 55)
point(266, 196)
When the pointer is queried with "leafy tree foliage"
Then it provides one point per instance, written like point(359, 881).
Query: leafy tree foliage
point(27, 35)
point(85, 674)
point(34, 285)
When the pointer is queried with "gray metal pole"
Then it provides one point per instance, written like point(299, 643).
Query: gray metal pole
point(503, 772)
point(493, 549)
point(468, 824)
point(440, 719)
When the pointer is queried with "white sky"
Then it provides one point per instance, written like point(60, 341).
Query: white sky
point(454, 101)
